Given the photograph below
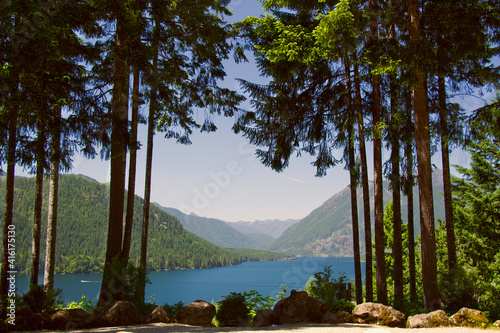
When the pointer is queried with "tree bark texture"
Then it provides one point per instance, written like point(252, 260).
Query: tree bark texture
point(50, 248)
point(445, 156)
point(422, 139)
point(129, 219)
point(353, 185)
point(411, 222)
point(149, 158)
point(366, 190)
point(8, 226)
point(113, 277)
point(377, 162)
point(37, 219)
point(395, 177)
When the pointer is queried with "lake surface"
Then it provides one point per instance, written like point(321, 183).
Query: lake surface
point(209, 284)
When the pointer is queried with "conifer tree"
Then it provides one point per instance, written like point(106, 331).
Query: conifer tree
point(311, 71)
point(188, 42)
point(477, 205)
point(462, 58)
point(422, 139)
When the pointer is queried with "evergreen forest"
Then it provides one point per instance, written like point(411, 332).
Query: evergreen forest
point(348, 75)
point(81, 236)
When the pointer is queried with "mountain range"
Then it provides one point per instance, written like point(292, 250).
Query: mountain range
point(255, 235)
point(82, 231)
point(178, 240)
point(326, 231)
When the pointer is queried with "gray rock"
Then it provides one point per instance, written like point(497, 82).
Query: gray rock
point(375, 313)
point(340, 317)
point(122, 313)
point(66, 319)
point(263, 318)
point(26, 320)
point(158, 315)
point(299, 308)
point(469, 318)
point(428, 320)
point(198, 313)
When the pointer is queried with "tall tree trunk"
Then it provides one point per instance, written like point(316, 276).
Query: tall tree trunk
point(37, 220)
point(9, 230)
point(422, 139)
point(366, 190)
point(354, 213)
point(50, 248)
point(149, 157)
point(397, 249)
point(353, 184)
point(445, 153)
point(129, 220)
point(113, 280)
point(409, 195)
point(377, 162)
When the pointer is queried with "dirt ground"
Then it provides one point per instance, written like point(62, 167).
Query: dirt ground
point(299, 328)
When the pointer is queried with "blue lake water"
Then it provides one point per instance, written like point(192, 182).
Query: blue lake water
point(209, 284)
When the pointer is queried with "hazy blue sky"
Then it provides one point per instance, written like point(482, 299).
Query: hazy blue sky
point(218, 176)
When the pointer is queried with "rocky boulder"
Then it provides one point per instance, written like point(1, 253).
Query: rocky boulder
point(497, 324)
point(158, 315)
point(299, 308)
point(263, 318)
point(469, 318)
point(428, 320)
point(121, 313)
point(375, 313)
point(65, 319)
point(340, 317)
point(198, 313)
point(26, 320)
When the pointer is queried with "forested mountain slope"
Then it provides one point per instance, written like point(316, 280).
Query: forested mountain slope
point(327, 231)
point(82, 231)
point(218, 232)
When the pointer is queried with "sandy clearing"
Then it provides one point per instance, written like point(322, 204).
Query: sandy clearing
point(298, 328)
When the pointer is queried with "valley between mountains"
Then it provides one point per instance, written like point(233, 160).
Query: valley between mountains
point(180, 241)
point(325, 232)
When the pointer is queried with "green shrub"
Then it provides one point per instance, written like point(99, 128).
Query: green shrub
point(255, 301)
point(458, 288)
point(38, 300)
point(282, 294)
point(322, 286)
point(171, 310)
point(135, 278)
point(233, 311)
point(85, 304)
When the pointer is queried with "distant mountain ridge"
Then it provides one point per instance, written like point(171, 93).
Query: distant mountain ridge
point(327, 230)
point(274, 228)
point(253, 235)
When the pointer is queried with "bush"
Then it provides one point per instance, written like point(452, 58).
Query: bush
point(331, 292)
point(85, 304)
point(171, 310)
point(255, 301)
point(233, 311)
point(38, 300)
point(459, 289)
